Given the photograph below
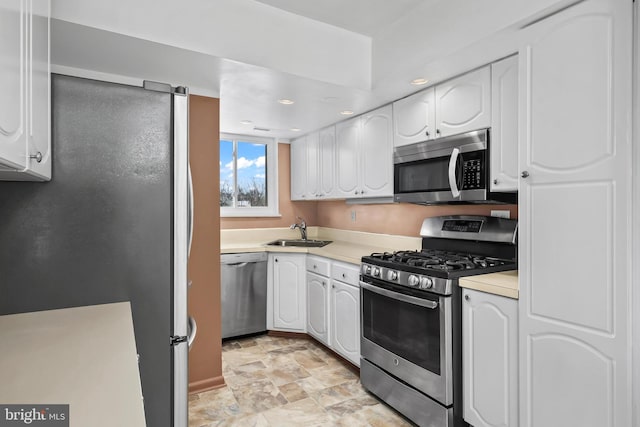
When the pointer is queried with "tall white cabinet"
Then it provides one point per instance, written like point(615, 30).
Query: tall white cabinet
point(574, 214)
point(25, 129)
point(490, 359)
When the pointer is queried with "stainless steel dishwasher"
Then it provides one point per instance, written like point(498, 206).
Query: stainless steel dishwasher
point(244, 293)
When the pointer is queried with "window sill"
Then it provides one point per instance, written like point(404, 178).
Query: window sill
point(249, 215)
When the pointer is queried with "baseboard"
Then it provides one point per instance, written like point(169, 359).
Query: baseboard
point(284, 334)
point(206, 384)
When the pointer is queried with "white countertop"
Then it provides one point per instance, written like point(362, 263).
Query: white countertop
point(347, 246)
point(504, 283)
point(85, 357)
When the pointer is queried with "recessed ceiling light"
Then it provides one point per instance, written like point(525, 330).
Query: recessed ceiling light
point(285, 101)
point(295, 129)
point(246, 122)
point(419, 82)
point(346, 112)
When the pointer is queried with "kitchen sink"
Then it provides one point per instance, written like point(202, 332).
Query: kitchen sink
point(300, 243)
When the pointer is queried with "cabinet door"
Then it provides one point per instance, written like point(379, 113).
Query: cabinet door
point(414, 118)
point(347, 158)
point(317, 303)
point(376, 152)
point(490, 359)
point(327, 146)
point(39, 92)
point(289, 294)
point(574, 212)
point(13, 84)
point(504, 125)
point(298, 168)
point(312, 188)
point(345, 320)
point(463, 104)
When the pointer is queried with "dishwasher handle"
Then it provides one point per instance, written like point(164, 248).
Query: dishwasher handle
point(237, 264)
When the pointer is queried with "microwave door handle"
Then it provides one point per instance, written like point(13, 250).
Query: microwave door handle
point(453, 161)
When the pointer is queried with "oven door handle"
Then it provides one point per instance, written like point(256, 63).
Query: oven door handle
point(401, 297)
point(453, 182)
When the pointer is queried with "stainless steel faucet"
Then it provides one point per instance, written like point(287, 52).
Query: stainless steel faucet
point(302, 226)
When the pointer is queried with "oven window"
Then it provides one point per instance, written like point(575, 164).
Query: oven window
point(407, 330)
point(423, 175)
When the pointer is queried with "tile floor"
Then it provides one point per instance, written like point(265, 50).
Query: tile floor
point(274, 381)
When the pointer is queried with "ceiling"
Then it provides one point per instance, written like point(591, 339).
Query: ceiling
point(327, 56)
point(360, 16)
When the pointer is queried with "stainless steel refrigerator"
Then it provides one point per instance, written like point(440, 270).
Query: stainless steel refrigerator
point(112, 225)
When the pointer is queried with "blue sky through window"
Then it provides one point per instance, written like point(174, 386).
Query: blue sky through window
point(251, 171)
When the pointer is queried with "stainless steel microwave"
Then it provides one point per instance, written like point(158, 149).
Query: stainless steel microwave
point(453, 169)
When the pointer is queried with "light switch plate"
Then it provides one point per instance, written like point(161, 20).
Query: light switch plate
point(501, 214)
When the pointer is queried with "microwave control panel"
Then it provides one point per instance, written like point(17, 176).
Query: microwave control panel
point(473, 174)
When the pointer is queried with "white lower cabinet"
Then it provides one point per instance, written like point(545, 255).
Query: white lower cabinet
point(345, 320)
point(288, 293)
point(317, 307)
point(313, 294)
point(490, 359)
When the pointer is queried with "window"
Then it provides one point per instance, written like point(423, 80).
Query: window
point(248, 176)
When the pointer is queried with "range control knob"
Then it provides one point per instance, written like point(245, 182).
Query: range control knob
point(376, 272)
point(366, 269)
point(413, 280)
point(426, 283)
point(392, 275)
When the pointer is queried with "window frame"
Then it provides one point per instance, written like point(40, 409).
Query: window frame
point(272, 209)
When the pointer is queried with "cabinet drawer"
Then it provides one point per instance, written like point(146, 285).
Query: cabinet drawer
point(318, 265)
point(347, 273)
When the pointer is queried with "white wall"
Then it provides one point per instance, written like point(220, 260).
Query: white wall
point(435, 30)
point(240, 30)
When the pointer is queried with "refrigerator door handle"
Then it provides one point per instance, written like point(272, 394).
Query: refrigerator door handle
point(190, 217)
point(193, 331)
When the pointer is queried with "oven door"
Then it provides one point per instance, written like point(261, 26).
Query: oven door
point(410, 337)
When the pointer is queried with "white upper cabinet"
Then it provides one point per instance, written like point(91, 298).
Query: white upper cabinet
point(574, 215)
point(327, 158)
point(414, 118)
point(13, 106)
point(364, 155)
point(347, 157)
point(25, 136)
point(490, 359)
point(312, 166)
point(459, 105)
point(504, 125)
point(298, 149)
point(376, 153)
point(464, 104)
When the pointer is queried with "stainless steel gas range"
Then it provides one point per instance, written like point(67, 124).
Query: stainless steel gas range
point(411, 344)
